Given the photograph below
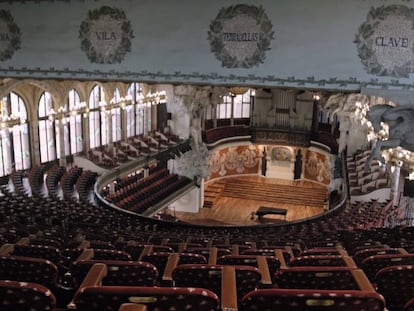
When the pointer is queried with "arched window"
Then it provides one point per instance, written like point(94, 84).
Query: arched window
point(47, 133)
point(14, 141)
point(97, 120)
point(134, 112)
point(116, 117)
point(75, 123)
point(235, 107)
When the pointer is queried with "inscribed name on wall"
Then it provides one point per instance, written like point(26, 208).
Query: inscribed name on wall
point(385, 41)
point(106, 35)
point(9, 35)
point(240, 35)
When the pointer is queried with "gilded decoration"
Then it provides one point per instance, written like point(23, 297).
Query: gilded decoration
point(281, 154)
point(234, 160)
point(317, 167)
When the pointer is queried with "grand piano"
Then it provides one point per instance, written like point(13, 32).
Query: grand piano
point(264, 210)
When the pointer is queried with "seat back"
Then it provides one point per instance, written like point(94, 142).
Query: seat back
point(28, 269)
point(396, 284)
point(373, 264)
point(110, 298)
point(23, 296)
point(249, 260)
point(360, 255)
point(109, 254)
point(319, 261)
point(305, 299)
point(210, 277)
point(120, 273)
point(39, 251)
point(335, 278)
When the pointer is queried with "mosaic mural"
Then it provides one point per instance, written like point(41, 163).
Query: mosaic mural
point(234, 161)
point(317, 167)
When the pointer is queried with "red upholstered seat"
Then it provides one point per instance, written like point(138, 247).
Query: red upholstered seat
point(305, 299)
point(335, 278)
point(125, 273)
point(108, 254)
point(320, 260)
point(360, 255)
point(396, 284)
point(210, 277)
point(110, 298)
point(24, 296)
point(373, 264)
point(249, 260)
point(409, 306)
point(159, 260)
point(27, 269)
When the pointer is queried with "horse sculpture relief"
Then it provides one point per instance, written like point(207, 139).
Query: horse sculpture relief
point(400, 121)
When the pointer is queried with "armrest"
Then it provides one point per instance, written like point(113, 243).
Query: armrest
point(132, 307)
point(290, 251)
point(362, 280)
point(182, 247)
point(349, 262)
point(264, 270)
point(212, 257)
point(86, 254)
point(402, 250)
point(6, 249)
point(148, 249)
point(85, 244)
point(93, 278)
point(23, 241)
point(170, 266)
point(228, 289)
point(235, 249)
point(281, 258)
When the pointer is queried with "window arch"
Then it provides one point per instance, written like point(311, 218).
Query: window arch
point(75, 136)
point(47, 132)
point(116, 117)
point(98, 125)
point(135, 112)
point(14, 141)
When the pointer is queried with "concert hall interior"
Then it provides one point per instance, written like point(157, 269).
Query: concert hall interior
point(195, 155)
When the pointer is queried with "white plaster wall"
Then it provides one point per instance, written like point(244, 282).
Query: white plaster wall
point(191, 202)
point(313, 41)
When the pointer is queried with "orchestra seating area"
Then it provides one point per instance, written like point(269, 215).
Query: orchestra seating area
point(78, 256)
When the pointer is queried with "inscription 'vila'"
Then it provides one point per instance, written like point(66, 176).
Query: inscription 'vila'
point(105, 36)
point(392, 42)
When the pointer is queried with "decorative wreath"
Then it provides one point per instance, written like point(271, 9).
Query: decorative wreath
point(215, 35)
point(127, 34)
point(365, 49)
point(14, 36)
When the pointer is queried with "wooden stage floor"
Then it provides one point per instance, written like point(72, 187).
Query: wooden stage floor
point(230, 210)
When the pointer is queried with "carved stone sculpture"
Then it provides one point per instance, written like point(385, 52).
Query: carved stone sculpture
point(400, 122)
